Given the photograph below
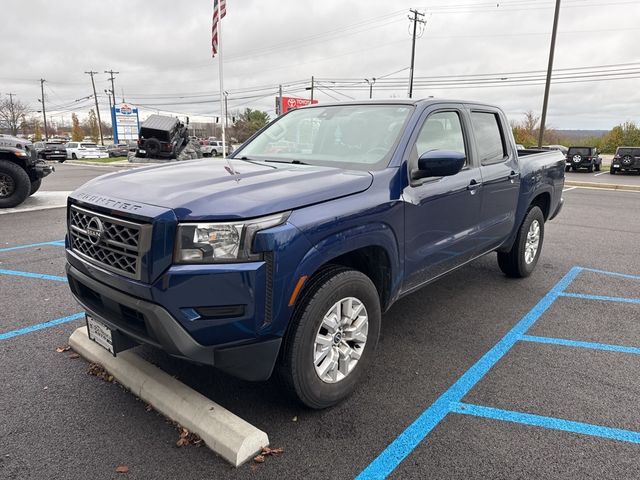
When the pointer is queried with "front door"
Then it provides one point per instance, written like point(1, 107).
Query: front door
point(440, 213)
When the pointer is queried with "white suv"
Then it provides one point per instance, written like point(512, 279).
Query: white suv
point(76, 150)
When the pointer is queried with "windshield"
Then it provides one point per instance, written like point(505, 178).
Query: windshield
point(54, 145)
point(89, 145)
point(349, 136)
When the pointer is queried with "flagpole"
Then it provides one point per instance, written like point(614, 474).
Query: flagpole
point(223, 117)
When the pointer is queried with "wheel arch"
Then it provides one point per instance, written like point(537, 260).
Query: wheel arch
point(372, 250)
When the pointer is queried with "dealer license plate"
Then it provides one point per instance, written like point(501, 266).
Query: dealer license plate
point(616, 165)
point(100, 333)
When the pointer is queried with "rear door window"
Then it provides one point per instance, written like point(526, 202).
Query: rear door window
point(492, 147)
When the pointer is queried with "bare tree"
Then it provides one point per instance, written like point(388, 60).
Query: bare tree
point(11, 114)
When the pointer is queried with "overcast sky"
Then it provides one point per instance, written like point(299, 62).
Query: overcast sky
point(494, 52)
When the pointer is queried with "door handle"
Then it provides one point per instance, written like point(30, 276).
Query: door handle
point(473, 186)
point(513, 175)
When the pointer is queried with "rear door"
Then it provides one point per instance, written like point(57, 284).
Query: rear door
point(441, 213)
point(500, 176)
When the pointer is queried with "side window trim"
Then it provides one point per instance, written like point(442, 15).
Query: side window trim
point(465, 127)
point(503, 138)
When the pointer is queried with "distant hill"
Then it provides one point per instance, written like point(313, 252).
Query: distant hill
point(580, 134)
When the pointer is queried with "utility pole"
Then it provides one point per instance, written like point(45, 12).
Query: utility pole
point(279, 109)
point(44, 112)
point(226, 112)
point(415, 21)
point(549, 69)
point(113, 88)
point(312, 82)
point(113, 132)
point(95, 97)
point(370, 82)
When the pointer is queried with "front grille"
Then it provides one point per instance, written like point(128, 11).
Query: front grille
point(118, 245)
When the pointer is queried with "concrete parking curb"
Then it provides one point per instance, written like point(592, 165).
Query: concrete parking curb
point(228, 435)
point(608, 186)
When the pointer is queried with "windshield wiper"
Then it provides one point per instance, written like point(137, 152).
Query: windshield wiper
point(294, 162)
point(256, 162)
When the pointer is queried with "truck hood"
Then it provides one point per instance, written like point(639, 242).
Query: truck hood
point(208, 190)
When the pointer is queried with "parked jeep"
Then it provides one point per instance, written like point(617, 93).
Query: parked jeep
point(165, 138)
point(583, 157)
point(21, 172)
point(626, 159)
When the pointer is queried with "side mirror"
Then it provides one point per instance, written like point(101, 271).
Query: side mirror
point(439, 163)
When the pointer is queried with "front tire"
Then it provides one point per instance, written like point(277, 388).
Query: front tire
point(521, 260)
point(35, 186)
point(15, 185)
point(332, 337)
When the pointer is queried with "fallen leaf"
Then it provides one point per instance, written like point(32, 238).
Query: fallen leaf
point(73, 356)
point(272, 451)
point(63, 349)
point(122, 469)
point(258, 459)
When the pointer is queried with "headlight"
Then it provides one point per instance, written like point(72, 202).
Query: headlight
point(221, 242)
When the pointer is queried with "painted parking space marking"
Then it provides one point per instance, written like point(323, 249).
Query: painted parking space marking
point(580, 344)
point(40, 276)
point(603, 298)
point(54, 243)
point(450, 401)
point(43, 200)
point(40, 326)
point(546, 422)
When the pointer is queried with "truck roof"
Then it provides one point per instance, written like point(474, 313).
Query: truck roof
point(159, 122)
point(400, 101)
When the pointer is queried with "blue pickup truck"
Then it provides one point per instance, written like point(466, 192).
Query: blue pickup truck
point(283, 258)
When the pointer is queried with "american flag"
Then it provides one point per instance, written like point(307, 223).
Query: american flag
point(219, 11)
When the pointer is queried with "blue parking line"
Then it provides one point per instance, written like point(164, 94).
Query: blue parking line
point(604, 298)
point(41, 276)
point(55, 243)
point(409, 439)
point(547, 422)
point(614, 274)
point(580, 344)
point(40, 326)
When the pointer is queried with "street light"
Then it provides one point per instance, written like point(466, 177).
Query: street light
point(370, 82)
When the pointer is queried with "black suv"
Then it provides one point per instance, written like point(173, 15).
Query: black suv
point(626, 159)
point(583, 157)
point(161, 137)
point(51, 151)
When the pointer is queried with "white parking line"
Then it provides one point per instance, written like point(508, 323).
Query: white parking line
point(601, 173)
point(40, 201)
point(569, 189)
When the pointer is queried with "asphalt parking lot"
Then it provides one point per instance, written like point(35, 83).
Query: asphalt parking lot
point(476, 376)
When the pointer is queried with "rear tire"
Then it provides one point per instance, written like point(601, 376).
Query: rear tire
point(521, 260)
point(15, 185)
point(322, 374)
point(590, 168)
point(597, 167)
point(612, 171)
point(35, 186)
point(74, 156)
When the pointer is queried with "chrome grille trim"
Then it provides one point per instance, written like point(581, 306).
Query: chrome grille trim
point(119, 248)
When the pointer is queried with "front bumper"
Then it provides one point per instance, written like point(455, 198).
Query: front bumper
point(149, 323)
point(42, 169)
